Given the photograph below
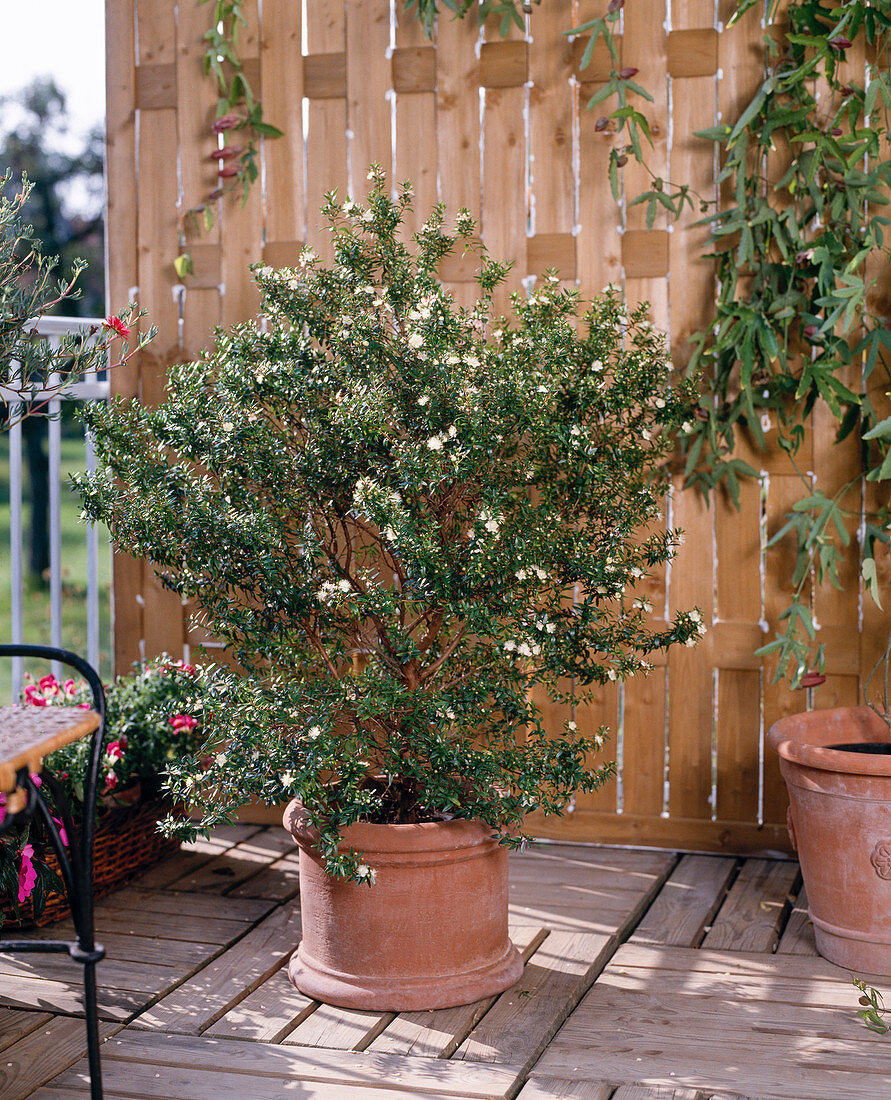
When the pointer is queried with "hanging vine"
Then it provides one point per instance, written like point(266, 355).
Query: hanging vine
point(239, 116)
point(795, 249)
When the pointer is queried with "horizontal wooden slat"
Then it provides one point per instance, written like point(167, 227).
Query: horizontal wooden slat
point(693, 834)
point(601, 63)
point(282, 253)
point(693, 53)
point(645, 253)
point(504, 64)
point(155, 87)
point(205, 266)
point(324, 76)
point(551, 250)
point(414, 69)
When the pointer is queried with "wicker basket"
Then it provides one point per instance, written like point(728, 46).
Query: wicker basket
point(127, 843)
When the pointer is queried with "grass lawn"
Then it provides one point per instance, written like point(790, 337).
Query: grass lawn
point(74, 572)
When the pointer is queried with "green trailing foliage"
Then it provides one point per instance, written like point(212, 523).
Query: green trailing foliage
point(402, 516)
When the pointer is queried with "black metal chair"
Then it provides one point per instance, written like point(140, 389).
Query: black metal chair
point(75, 863)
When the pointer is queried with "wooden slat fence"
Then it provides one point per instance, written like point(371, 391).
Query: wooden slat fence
point(499, 126)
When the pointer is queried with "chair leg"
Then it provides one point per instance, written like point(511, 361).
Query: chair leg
point(91, 1010)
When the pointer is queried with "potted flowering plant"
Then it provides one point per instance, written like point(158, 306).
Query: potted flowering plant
point(402, 516)
point(153, 717)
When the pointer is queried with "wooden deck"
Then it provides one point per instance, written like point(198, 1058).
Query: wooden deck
point(649, 976)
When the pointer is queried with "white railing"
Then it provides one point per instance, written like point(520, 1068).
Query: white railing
point(92, 386)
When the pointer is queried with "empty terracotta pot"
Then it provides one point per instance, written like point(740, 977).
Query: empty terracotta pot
point(840, 823)
point(430, 933)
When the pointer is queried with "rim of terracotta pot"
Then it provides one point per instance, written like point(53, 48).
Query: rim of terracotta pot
point(804, 739)
point(429, 836)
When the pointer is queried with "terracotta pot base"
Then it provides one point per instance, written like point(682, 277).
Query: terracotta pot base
point(383, 993)
point(430, 933)
point(840, 824)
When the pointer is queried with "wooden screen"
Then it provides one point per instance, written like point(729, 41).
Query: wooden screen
point(499, 126)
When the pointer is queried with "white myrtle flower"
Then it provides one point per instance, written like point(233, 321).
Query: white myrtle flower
point(344, 585)
point(612, 674)
point(415, 340)
point(690, 642)
point(510, 646)
point(349, 206)
point(551, 628)
point(453, 360)
point(575, 430)
point(540, 573)
point(453, 431)
point(287, 780)
point(368, 216)
point(521, 574)
point(390, 534)
point(313, 732)
point(434, 443)
point(220, 759)
point(491, 525)
point(695, 616)
point(659, 403)
point(306, 257)
point(472, 361)
point(571, 726)
point(687, 427)
point(369, 874)
point(597, 365)
point(524, 649)
point(423, 399)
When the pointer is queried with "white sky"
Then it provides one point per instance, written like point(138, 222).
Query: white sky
point(64, 39)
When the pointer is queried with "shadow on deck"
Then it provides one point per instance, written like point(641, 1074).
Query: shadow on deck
point(649, 976)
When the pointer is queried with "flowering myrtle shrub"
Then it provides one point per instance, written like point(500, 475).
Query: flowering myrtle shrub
point(400, 516)
point(153, 718)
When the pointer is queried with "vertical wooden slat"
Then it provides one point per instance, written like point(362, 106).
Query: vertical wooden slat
point(157, 198)
point(281, 82)
point(197, 109)
point(552, 104)
point(691, 305)
point(504, 212)
point(242, 222)
point(415, 153)
point(368, 81)
point(326, 148)
point(458, 126)
point(122, 275)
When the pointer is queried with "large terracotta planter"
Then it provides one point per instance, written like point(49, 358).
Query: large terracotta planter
point(840, 823)
point(430, 933)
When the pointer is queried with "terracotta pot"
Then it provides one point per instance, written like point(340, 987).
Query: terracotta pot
point(430, 933)
point(840, 823)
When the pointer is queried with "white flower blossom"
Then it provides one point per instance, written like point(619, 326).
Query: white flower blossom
point(313, 732)
point(415, 340)
point(306, 257)
point(571, 726)
point(344, 585)
point(287, 780)
point(521, 574)
point(423, 399)
point(510, 646)
point(612, 674)
point(434, 443)
point(368, 216)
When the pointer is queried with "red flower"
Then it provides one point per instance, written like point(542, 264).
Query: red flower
point(228, 171)
point(114, 750)
point(627, 74)
point(111, 781)
point(812, 679)
point(227, 152)
point(226, 122)
point(183, 722)
point(117, 326)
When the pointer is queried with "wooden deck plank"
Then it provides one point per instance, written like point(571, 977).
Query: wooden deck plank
point(204, 998)
point(798, 935)
point(16, 1023)
point(524, 1019)
point(339, 1028)
point(278, 881)
point(595, 857)
point(562, 1088)
point(175, 903)
point(195, 854)
point(43, 1053)
point(750, 1024)
point(111, 973)
point(272, 1011)
point(43, 994)
point(687, 902)
point(238, 864)
point(751, 917)
point(439, 1033)
point(258, 1070)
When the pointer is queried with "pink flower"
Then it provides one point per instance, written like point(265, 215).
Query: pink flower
point(36, 780)
point(33, 697)
point(49, 685)
point(27, 874)
point(84, 706)
point(226, 122)
point(183, 722)
point(63, 835)
point(117, 326)
point(111, 781)
point(69, 687)
point(115, 750)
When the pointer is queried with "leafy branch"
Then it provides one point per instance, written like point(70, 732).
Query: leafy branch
point(239, 112)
